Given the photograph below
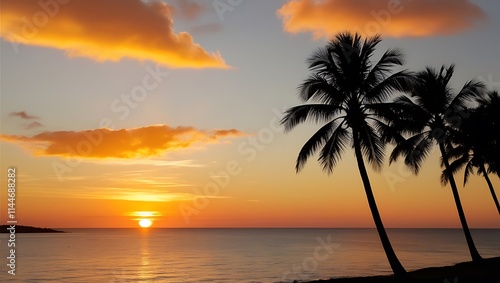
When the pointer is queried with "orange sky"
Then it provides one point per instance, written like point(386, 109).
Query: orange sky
point(171, 110)
point(249, 197)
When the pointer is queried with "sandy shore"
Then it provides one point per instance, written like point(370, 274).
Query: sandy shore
point(488, 271)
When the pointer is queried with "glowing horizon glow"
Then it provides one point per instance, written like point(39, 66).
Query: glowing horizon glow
point(145, 213)
point(135, 137)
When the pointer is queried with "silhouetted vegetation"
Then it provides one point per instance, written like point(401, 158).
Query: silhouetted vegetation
point(341, 92)
point(432, 112)
point(352, 99)
point(475, 142)
point(28, 229)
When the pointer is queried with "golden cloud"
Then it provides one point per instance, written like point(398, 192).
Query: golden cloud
point(105, 30)
point(387, 17)
point(124, 143)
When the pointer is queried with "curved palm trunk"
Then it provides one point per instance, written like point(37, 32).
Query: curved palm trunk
point(492, 190)
point(472, 248)
point(396, 266)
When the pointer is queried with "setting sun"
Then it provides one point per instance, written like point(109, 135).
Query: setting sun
point(250, 141)
point(145, 223)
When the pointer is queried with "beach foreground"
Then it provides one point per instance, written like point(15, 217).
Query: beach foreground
point(488, 271)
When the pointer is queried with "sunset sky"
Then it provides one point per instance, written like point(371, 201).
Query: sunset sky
point(118, 110)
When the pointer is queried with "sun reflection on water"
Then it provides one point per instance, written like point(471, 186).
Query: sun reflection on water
point(145, 272)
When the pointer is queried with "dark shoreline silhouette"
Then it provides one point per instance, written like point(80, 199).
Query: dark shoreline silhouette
point(485, 271)
point(28, 229)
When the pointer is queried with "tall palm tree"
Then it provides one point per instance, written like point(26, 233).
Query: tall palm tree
point(430, 113)
point(476, 142)
point(343, 86)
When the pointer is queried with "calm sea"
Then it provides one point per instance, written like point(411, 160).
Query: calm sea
point(230, 255)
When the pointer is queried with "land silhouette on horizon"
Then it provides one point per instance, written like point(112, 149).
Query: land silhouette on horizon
point(28, 229)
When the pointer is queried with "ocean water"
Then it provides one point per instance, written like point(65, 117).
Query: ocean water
point(230, 255)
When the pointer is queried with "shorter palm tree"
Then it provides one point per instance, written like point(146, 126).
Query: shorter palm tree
point(427, 117)
point(490, 106)
point(476, 140)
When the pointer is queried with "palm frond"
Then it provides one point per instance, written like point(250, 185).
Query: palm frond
point(386, 132)
point(456, 152)
point(300, 114)
point(316, 88)
point(372, 146)
point(454, 167)
point(315, 142)
point(419, 153)
point(331, 153)
point(381, 70)
point(432, 92)
point(469, 168)
point(491, 97)
point(321, 63)
point(402, 81)
point(414, 150)
point(367, 50)
point(472, 89)
point(410, 118)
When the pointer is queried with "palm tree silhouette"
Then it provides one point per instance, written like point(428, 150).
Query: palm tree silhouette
point(476, 141)
point(340, 92)
point(431, 112)
point(490, 107)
